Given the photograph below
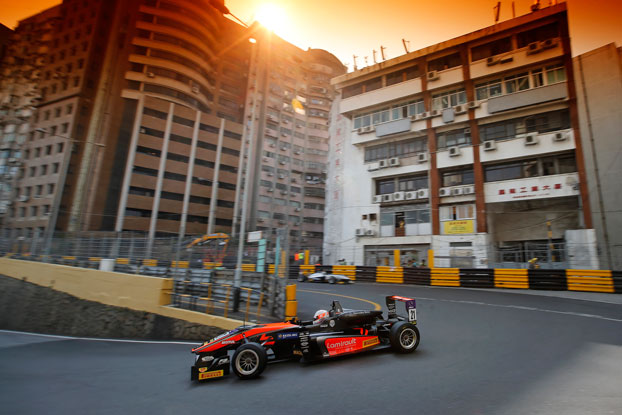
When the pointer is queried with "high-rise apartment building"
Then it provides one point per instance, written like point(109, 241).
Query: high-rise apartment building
point(291, 140)
point(470, 148)
point(142, 109)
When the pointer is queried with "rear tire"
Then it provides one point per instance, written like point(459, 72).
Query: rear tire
point(249, 360)
point(404, 337)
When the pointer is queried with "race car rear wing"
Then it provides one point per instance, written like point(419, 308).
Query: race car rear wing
point(411, 307)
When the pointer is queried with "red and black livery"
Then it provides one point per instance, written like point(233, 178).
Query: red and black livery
point(247, 349)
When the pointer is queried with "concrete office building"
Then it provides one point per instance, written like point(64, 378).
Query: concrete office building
point(599, 95)
point(125, 134)
point(470, 147)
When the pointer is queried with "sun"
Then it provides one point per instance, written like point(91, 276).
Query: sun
point(271, 16)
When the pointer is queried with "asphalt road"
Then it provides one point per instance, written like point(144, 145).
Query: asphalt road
point(481, 352)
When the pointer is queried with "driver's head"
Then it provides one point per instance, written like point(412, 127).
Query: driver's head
point(320, 315)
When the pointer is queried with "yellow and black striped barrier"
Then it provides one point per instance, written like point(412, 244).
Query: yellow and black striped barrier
point(347, 270)
point(590, 280)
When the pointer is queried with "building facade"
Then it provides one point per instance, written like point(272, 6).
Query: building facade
point(138, 122)
point(292, 90)
point(470, 148)
point(599, 93)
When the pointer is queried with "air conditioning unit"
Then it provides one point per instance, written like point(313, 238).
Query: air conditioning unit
point(294, 180)
point(298, 209)
point(468, 190)
point(260, 219)
point(370, 232)
point(556, 137)
point(490, 145)
point(270, 190)
point(23, 198)
point(533, 47)
point(410, 195)
point(12, 160)
point(270, 174)
point(423, 194)
point(387, 197)
point(372, 167)
point(281, 221)
point(383, 164)
point(422, 157)
point(460, 109)
point(394, 161)
point(473, 104)
point(377, 199)
point(531, 139)
point(150, 75)
point(282, 162)
point(283, 192)
point(398, 196)
point(549, 43)
point(272, 145)
point(456, 191)
point(368, 129)
point(444, 192)
point(506, 59)
point(265, 158)
point(360, 232)
point(195, 90)
point(492, 60)
point(281, 176)
point(434, 113)
point(454, 151)
point(432, 76)
point(297, 152)
point(283, 148)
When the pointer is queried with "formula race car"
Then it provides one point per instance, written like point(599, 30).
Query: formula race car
point(248, 349)
point(325, 277)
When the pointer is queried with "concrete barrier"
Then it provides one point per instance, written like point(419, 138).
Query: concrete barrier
point(135, 292)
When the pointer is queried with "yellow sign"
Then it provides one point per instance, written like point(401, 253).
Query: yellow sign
point(213, 374)
point(371, 342)
point(453, 227)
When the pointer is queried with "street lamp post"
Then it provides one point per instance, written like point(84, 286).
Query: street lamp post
point(237, 279)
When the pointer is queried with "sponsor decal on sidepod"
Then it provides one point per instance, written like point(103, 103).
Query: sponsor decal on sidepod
point(346, 345)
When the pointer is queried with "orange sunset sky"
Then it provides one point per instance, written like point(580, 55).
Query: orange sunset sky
point(357, 27)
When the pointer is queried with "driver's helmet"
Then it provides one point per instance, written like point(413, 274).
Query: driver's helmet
point(320, 315)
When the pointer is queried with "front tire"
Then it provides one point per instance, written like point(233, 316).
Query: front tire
point(404, 337)
point(249, 360)
point(331, 280)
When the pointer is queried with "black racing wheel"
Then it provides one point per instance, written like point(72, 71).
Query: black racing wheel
point(249, 360)
point(404, 337)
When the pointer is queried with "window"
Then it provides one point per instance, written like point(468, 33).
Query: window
point(385, 186)
point(452, 138)
point(488, 89)
point(445, 62)
point(544, 166)
point(538, 34)
point(407, 184)
point(520, 82)
point(448, 99)
point(457, 177)
point(457, 212)
point(403, 148)
point(493, 48)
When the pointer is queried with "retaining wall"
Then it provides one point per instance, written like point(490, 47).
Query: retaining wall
point(113, 304)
